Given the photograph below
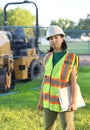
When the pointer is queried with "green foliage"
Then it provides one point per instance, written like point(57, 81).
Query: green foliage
point(1, 16)
point(20, 17)
point(64, 23)
point(83, 24)
point(67, 24)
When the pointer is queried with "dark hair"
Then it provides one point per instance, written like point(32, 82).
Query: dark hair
point(63, 46)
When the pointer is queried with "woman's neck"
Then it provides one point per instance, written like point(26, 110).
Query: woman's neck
point(58, 50)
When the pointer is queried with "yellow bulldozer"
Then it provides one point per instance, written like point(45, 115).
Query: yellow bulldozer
point(7, 73)
point(21, 57)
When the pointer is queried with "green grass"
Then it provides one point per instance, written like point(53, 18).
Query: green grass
point(82, 117)
point(76, 47)
point(19, 111)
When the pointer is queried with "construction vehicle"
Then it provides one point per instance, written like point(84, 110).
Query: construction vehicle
point(7, 74)
point(25, 50)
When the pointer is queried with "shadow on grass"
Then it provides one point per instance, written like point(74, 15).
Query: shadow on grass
point(21, 99)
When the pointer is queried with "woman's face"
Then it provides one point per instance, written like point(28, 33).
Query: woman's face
point(56, 42)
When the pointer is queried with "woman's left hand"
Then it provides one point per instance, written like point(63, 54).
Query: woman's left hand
point(73, 107)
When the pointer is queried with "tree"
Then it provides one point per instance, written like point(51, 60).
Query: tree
point(1, 17)
point(83, 24)
point(64, 23)
point(53, 22)
point(21, 17)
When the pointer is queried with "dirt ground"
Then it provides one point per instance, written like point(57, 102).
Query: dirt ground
point(84, 60)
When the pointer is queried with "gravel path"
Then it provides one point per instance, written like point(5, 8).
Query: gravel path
point(84, 60)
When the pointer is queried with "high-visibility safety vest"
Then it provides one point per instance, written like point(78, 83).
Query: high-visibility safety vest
point(56, 78)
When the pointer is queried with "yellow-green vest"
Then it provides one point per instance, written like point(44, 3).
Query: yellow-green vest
point(55, 78)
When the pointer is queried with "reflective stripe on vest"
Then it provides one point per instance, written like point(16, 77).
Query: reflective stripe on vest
point(66, 68)
point(54, 80)
point(46, 57)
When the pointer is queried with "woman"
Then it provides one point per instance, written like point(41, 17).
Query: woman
point(60, 72)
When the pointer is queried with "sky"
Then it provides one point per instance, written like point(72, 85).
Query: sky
point(54, 9)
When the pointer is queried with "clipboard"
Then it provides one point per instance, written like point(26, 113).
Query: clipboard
point(65, 98)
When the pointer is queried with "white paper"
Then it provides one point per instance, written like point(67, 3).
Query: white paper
point(65, 98)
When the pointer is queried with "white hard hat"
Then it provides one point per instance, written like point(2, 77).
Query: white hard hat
point(54, 30)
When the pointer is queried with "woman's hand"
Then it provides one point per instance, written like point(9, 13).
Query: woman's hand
point(73, 107)
point(40, 106)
